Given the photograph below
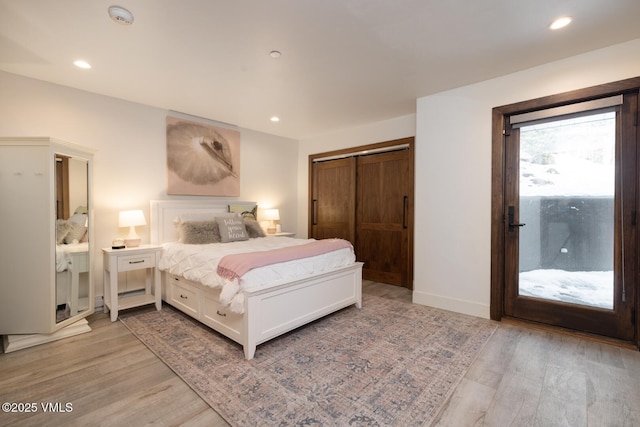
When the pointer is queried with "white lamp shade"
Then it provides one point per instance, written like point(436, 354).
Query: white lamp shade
point(272, 214)
point(131, 218)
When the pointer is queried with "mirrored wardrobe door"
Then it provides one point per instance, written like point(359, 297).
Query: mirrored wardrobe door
point(72, 237)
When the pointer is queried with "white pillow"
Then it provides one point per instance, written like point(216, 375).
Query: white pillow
point(79, 219)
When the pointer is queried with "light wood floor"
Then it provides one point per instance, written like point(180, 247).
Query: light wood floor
point(523, 377)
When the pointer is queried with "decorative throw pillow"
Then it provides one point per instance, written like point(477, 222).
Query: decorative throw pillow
point(81, 210)
point(199, 232)
point(232, 229)
point(63, 227)
point(253, 228)
point(245, 211)
point(75, 233)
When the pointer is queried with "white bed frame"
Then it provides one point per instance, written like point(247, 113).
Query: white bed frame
point(269, 312)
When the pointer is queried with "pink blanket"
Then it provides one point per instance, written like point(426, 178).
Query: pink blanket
point(235, 265)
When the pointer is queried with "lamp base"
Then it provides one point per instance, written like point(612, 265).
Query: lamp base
point(132, 243)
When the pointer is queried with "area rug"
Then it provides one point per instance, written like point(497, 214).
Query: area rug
point(388, 363)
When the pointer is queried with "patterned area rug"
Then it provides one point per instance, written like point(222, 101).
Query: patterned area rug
point(389, 363)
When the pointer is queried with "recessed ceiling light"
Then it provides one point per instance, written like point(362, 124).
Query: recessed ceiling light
point(275, 54)
point(560, 23)
point(120, 15)
point(275, 119)
point(82, 64)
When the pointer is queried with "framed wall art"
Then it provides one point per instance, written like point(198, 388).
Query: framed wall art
point(202, 160)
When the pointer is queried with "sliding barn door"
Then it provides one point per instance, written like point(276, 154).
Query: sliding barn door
point(365, 195)
point(333, 195)
point(383, 220)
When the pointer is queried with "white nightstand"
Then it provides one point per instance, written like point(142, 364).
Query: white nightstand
point(129, 259)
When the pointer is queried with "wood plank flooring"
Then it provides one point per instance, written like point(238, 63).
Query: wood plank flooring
point(523, 377)
point(528, 377)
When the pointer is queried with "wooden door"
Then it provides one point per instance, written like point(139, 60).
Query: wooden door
point(333, 195)
point(383, 216)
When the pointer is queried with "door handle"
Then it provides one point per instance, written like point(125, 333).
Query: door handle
point(405, 208)
point(313, 212)
point(511, 215)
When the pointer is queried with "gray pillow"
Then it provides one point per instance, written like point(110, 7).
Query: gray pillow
point(199, 232)
point(232, 229)
point(253, 228)
point(76, 232)
point(63, 227)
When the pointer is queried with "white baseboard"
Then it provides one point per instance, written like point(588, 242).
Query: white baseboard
point(471, 308)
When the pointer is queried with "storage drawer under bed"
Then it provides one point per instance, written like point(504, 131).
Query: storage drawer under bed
point(183, 296)
point(214, 313)
point(202, 303)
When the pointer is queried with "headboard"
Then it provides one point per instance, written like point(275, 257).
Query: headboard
point(164, 212)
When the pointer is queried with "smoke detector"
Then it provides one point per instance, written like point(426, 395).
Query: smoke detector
point(120, 15)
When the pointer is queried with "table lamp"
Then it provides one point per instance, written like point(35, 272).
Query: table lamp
point(131, 219)
point(271, 215)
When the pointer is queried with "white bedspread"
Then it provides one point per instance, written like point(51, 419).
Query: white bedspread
point(199, 263)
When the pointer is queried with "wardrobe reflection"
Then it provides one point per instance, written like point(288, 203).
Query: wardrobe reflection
point(72, 237)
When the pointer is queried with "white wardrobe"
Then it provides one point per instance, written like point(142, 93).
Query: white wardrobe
point(46, 287)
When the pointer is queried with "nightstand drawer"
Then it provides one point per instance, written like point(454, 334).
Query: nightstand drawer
point(136, 262)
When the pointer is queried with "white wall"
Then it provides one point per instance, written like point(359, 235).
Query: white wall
point(130, 162)
point(453, 161)
point(386, 130)
point(453, 171)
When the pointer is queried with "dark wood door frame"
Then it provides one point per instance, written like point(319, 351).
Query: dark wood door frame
point(62, 187)
point(499, 173)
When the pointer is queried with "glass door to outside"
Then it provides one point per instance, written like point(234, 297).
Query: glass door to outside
point(570, 194)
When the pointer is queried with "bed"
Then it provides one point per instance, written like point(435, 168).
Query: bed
point(253, 313)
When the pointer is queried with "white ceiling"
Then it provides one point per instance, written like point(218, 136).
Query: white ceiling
point(343, 63)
